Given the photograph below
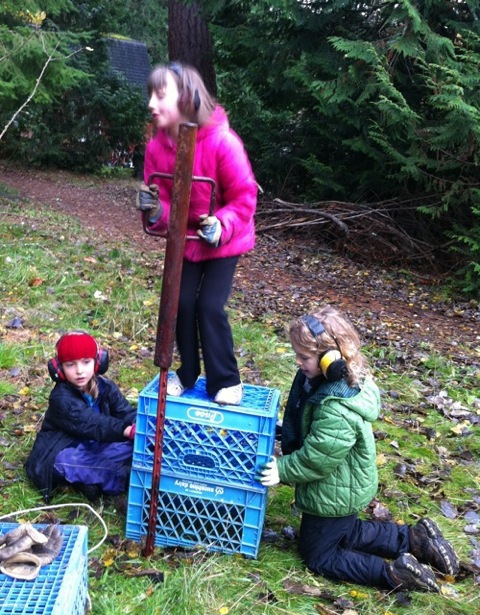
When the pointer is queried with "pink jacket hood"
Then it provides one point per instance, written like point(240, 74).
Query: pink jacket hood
point(221, 156)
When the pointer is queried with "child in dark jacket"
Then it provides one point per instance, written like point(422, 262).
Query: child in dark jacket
point(87, 432)
point(328, 453)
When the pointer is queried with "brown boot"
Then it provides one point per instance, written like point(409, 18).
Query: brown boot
point(407, 573)
point(430, 547)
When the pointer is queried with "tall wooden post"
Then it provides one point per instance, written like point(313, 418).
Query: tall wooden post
point(167, 315)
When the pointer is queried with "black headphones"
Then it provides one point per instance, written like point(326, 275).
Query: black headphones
point(177, 68)
point(331, 362)
point(55, 367)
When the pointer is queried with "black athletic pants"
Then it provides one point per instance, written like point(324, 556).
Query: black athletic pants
point(202, 321)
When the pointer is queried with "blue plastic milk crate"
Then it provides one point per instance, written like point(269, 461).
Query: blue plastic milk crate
point(192, 513)
point(201, 439)
point(60, 588)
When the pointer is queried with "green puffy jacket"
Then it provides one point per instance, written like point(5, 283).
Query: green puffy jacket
point(334, 469)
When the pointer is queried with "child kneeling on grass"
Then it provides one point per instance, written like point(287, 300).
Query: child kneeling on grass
point(328, 453)
point(87, 432)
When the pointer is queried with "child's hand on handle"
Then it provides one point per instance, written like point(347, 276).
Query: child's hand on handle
point(267, 474)
point(147, 200)
point(210, 230)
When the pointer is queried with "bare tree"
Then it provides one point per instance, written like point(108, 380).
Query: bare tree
point(190, 41)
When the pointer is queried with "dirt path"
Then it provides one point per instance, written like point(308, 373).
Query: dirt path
point(280, 277)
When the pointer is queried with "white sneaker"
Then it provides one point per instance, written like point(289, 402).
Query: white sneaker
point(230, 396)
point(175, 386)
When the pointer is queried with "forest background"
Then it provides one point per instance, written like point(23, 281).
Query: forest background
point(355, 114)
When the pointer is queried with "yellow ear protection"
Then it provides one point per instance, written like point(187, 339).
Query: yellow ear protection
point(55, 367)
point(178, 70)
point(331, 362)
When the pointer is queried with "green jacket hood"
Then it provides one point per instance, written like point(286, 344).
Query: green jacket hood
point(366, 403)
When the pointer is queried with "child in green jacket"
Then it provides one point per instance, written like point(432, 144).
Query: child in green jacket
point(328, 453)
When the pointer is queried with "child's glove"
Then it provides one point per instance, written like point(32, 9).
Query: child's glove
point(20, 539)
point(25, 561)
point(147, 200)
point(210, 230)
point(47, 552)
point(267, 474)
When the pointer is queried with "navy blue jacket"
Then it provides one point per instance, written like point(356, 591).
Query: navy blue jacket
point(69, 420)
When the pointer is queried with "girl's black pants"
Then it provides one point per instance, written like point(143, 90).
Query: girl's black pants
point(203, 322)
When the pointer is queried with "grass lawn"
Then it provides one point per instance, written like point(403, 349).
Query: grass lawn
point(54, 276)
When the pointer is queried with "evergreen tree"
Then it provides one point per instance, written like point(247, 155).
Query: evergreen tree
point(81, 110)
point(34, 56)
point(361, 101)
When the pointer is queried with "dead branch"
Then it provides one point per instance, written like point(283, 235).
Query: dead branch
point(29, 98)
point(370, 231)
point(51, 58)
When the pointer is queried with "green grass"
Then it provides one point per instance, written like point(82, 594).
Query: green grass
point(9, 356)
point(54, 276)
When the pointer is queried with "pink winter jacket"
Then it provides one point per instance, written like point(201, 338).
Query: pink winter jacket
point(219, 155)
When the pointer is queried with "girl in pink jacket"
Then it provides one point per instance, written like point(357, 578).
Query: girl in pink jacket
point(177, 94)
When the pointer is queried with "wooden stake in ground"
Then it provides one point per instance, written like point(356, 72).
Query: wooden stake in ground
point(167, 316)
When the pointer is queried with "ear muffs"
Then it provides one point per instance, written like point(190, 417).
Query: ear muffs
point(55, 367)
point(331, 363)
point(101, 362)
point(56, 372)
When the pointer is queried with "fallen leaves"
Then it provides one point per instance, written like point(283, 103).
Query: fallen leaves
point(448, 509)
point(455, 411)
point(15, 323)
point(379, 511)
point(124, 557)
point(331, 604)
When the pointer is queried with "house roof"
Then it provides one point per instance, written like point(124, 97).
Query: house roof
point(130, 58)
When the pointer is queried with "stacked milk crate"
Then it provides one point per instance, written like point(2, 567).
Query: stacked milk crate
point(208, 494)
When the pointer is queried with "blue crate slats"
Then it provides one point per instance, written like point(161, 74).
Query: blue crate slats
point(61, 587)
point(191, 514)
point(205, 440)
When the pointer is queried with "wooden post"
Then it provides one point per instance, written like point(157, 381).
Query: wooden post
point(167, 315)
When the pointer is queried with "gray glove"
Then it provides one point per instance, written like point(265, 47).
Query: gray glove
point(210, 230)
point(25, 550)
point(20, 539)
point(47, 552)
point(147, 200)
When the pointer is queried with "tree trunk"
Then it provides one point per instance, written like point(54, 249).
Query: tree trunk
point(190, 42)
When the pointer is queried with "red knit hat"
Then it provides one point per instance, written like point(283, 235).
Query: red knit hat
point(76, 345)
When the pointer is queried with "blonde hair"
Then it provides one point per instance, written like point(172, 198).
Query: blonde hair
point(339, 334)
point(194, 100)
